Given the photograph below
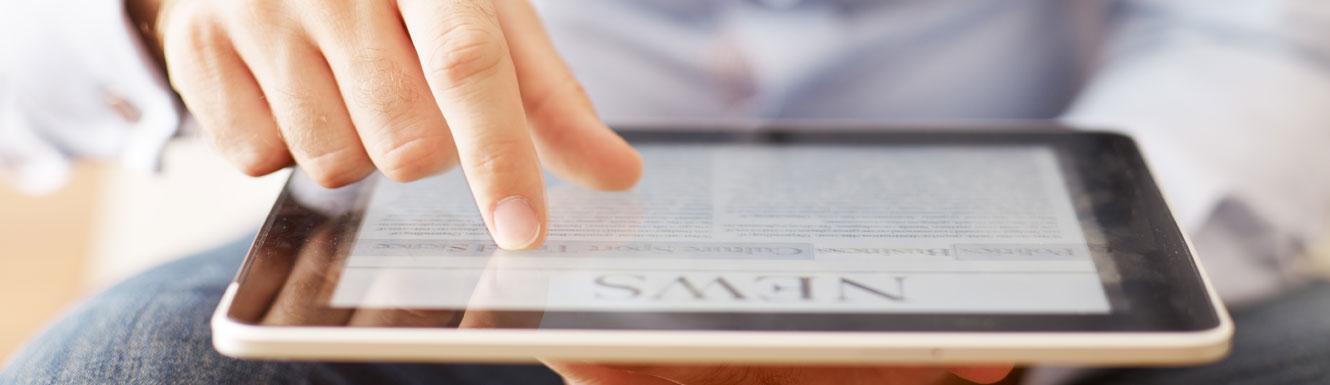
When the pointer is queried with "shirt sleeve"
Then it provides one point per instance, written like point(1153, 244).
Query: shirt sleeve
point(1228, 100)
point(78, 83)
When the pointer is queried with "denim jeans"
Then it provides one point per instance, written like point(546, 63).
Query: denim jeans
point(153, 329)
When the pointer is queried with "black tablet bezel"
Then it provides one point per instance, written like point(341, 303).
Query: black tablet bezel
point(1157, 285)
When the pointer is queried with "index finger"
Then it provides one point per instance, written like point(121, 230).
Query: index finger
point(466, 63)
point(313, 276)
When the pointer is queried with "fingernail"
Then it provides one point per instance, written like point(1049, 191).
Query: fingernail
point(516, 226)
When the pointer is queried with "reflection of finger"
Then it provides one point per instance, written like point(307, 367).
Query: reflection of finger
point(500, 319)
point(312, 279)
point(576, 373)
point(267, 274)
point(500, 285)
point(402, 318)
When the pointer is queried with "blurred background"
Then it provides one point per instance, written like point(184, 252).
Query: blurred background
point(109, 223)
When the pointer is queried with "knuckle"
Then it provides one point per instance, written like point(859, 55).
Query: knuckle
point(299, 114)
point(384, 87)
point(465, 51)
point(334, 23)
point(181, 19)
point(190, 46)
point(416, 158)
point(248, 152)
point(565, 88)
point(259, 23)
point(257, 163)
point(256, 5)
point(336, 167)
point(257, 14)
point(335, 16)
point(334, 178)
point(247, 16)
point(254, 159)
point(193, 37)
point(496, 157)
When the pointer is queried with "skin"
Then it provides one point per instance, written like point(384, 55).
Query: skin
point(411, 88)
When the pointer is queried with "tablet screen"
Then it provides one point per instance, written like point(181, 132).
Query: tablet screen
point(779, 229)
point(743, 228)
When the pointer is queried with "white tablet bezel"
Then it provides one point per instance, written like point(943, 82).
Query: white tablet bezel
point(237, 339)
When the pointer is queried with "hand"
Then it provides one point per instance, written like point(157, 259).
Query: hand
point(407, 87)
point(595, 374)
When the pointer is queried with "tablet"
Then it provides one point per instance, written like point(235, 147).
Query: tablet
point(773, 245)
